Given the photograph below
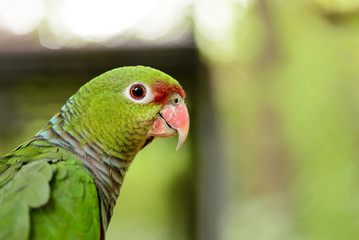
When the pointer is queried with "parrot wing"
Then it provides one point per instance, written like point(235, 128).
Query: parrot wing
point(46, 192)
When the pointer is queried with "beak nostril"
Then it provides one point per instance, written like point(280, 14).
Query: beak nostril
point(175, 99)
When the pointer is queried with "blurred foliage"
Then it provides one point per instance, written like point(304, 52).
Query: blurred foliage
point(287, 95)
point(28, 105)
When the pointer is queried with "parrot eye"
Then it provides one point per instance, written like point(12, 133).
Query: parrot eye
point(137, 91)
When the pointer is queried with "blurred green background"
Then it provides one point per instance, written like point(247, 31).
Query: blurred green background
point(272, 88)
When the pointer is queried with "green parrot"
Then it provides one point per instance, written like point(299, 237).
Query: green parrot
point(64, 182)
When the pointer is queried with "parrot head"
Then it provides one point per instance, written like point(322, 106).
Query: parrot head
point(124, 109)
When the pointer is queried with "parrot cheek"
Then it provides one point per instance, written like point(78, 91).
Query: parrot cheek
point(170, 121)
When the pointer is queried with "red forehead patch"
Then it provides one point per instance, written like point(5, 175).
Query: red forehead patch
point(162, 90)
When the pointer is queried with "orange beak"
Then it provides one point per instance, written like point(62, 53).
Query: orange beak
point(170, 121)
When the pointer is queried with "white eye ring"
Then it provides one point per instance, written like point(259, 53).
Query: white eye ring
point(146, 98)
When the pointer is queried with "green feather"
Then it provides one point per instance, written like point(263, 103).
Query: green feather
point(52, 191)
point(73, 206)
